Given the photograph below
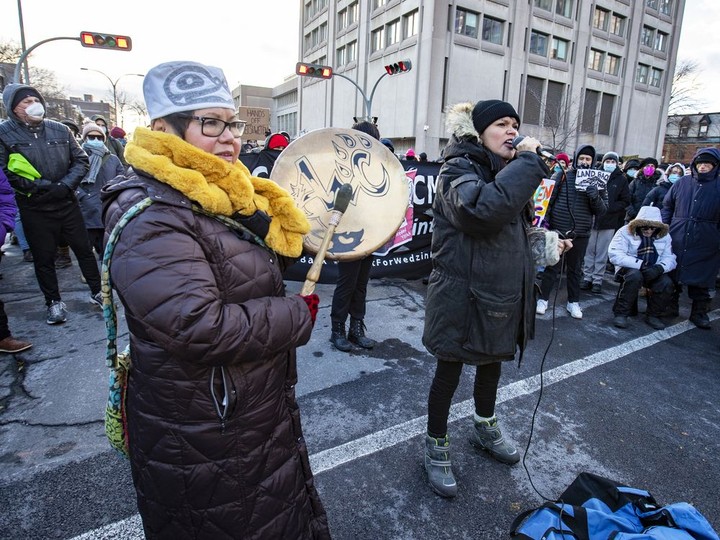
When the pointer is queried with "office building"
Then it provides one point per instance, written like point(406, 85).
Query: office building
point(596, 72)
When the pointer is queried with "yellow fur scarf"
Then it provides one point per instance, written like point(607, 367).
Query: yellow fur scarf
point(218, 186)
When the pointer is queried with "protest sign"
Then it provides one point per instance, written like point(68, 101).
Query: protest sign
point(257, 122)
point(541, 199)
point(587, 177)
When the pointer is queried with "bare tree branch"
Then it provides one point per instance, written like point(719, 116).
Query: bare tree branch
point(685, 87)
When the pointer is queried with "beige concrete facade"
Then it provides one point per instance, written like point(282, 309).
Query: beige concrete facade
point(577, 71)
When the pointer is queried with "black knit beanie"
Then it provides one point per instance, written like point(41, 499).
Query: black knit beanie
point(22, 94)
point(486, 112)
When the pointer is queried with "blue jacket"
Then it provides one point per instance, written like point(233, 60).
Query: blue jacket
point(692, 209)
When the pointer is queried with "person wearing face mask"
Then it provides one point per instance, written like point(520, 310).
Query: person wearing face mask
point(692, 209)
point(113, 145)
point(668, 177)
point(642, 254)
point(50, 212)
point(216, 445)
point(104, 166)
point(570, 211)
point(605, 225)
point(646, 178)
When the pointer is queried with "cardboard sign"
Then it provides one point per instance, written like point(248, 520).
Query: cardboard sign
point(541, 199)
point(590, 177)
point(258, 122)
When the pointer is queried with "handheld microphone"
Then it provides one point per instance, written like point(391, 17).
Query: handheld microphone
point(540, 150)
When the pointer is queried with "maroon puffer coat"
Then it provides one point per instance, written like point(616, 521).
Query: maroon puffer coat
point(216, 446)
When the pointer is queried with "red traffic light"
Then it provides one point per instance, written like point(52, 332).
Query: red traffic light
point(403, 66)
point(313, 70)
point(105, 41)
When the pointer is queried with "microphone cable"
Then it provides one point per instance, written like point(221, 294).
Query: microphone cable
point(540, 392)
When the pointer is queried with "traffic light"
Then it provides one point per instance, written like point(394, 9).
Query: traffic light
point(313, 70)
point(403, 66)
point(105, 41)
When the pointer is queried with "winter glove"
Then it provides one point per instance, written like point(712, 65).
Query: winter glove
point(258, 223)
point(592, 192)
point(653, 272)
point(312, 301)
point(55, 192)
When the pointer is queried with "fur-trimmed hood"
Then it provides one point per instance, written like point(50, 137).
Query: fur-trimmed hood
point(648, 216)
point(459, 121)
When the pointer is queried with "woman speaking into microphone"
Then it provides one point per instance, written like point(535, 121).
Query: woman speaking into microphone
point(480, 306)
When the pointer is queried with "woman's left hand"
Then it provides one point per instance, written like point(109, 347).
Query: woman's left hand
point(564, 245)
point(312, 301)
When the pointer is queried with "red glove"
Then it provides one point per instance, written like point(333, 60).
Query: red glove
point(312, 301)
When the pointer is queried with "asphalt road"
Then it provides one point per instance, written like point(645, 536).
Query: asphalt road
point(637, 405)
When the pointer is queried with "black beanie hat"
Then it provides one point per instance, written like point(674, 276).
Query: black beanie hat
point(649, 161)
point(486, 112)
point(22, 94)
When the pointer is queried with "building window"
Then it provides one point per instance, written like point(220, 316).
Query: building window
point(559, 49)
point(492, 30)
point(617, 25)
point(553, 104)
point(601, 18)
point(340, 57)
point(342, 19)
point(655, 77)
point(376, 39)
point(467, 23)
point(379, 3)
point(661, 41)
point(411, 22)
point(589, 111)
point(607, 104)
point(641, 75)
point(666, 7)
point(544, 4)
point(702, 130)
point(352, 16)
point(533, 100)
point(596, 60)
point(648, 36)
point(351, 52)
point(652, 4)
point(612, 66)
point(392, 32)
point(539, 43)
point(564, 8)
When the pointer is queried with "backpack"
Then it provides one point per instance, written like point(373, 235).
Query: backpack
point(595, 508)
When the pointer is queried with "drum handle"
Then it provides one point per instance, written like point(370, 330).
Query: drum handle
point(342, 199)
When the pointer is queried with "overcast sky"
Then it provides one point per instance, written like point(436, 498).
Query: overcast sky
point(255, 42)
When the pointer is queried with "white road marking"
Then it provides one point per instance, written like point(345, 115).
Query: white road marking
point(131, 528)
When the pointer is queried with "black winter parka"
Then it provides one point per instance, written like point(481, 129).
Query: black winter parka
point(480, 304)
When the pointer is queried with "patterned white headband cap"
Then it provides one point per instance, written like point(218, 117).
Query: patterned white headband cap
point(185, 86)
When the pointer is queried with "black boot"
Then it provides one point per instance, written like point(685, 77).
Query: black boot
point(337, 337)
point(357, 334)
point(698, 314)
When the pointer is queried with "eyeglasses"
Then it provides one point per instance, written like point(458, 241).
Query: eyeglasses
point(213, 127)
point(95, 137)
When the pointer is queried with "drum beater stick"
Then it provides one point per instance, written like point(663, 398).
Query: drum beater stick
point(342, 199)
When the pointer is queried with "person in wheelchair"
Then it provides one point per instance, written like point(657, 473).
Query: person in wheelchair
point(641, 252)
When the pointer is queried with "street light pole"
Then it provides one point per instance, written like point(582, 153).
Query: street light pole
point(113, 84)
